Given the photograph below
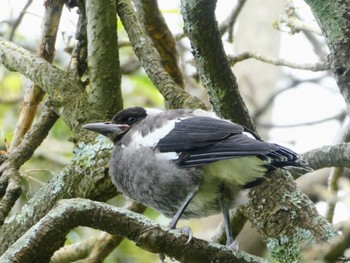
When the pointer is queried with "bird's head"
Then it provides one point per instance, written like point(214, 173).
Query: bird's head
point(120, 123)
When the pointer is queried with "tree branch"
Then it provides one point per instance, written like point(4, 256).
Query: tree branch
point(328, 156)
point(48, 234)
point(25, 150)
point(103, 58)
point(86, 177)
point(95, 249)
point(65, 92)
point(286, 219)
point(151, 61)
point(212, 64)
point(157, 29)
point(19, 19)
point(46, 49)
point(335, 24)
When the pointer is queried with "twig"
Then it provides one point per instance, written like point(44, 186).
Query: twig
point(13, 192)
point(269, 102)
point(46, 49)
point(320, 66)
point(336, 173)
point(340, 116)
point(229, 22)
point(297, 25)
point(19, 19)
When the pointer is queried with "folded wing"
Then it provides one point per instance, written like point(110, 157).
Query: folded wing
point(201, 140)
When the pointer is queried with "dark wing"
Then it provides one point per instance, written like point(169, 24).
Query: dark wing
point(201, 140)
point(197, 132)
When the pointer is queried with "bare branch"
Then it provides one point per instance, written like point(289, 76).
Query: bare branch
point(13, 191)
point(340, 116)
point(296, 25)
point(336, 173)
point(229, 23)
point(19, 19)
point(278, 62)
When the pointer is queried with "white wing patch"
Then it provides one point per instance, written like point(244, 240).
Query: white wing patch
point(248, 134)
point(167, 156)
point(152, 139)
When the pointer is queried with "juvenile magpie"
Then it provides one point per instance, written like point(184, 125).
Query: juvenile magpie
point(187, 163)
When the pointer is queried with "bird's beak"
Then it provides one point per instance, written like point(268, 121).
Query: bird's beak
point(107, 129)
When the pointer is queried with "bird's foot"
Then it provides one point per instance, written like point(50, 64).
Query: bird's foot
point(183, 231)
point(233, 245)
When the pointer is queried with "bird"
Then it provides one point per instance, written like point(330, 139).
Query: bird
point(188, 163)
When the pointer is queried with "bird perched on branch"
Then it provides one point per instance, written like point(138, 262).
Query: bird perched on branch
point(188, 163)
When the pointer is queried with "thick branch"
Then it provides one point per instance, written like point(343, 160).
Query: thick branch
point(65, 92)
point(103, 58)
point(48, 234)
point(287, 219)
point(212, 64)
point(334, 20)
point(94, 249)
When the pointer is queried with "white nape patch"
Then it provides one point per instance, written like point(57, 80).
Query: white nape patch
point(150, 111)
point(249, 135)
point(202, 113)
point(167, 156)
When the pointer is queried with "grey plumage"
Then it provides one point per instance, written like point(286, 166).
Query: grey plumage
point(161, 159)
point(163, 186)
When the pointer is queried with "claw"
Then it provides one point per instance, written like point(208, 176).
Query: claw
point(185, 231)
point(234, 245)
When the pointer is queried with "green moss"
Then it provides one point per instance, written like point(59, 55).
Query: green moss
point(330, 17)
point(90, 155)
point(287, 249)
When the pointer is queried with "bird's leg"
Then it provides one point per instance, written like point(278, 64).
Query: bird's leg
point(230, 242)
point(177, 216)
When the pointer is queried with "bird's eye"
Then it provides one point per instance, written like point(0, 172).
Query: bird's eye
point(130, 120)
